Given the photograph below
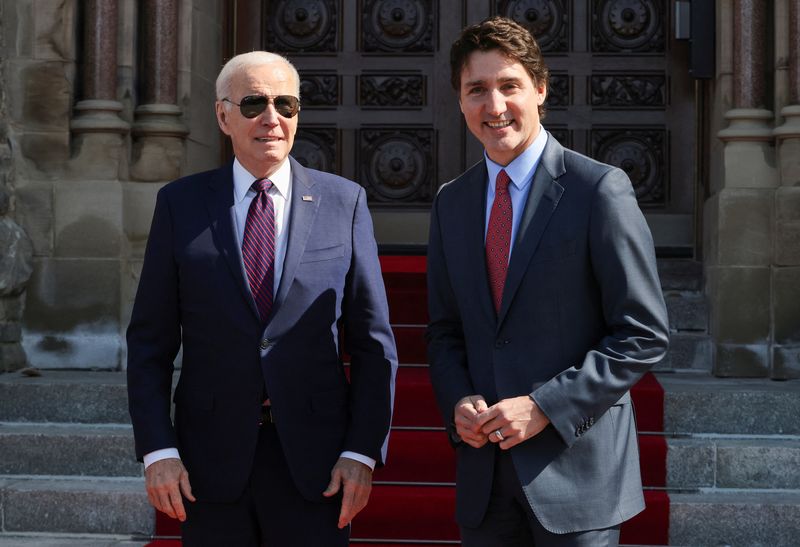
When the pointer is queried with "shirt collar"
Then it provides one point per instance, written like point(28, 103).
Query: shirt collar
point(522, 167)
point(243, 179)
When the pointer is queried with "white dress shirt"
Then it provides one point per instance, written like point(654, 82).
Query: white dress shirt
point(243, 194)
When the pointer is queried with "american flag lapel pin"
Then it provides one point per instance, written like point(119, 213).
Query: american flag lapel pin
point(308, 198)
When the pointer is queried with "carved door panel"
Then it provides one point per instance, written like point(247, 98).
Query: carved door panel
point(376, 99)
point(378, 107)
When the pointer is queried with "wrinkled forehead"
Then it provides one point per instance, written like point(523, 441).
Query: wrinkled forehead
point(275, 78)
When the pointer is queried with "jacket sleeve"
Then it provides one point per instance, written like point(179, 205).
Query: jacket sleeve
point(624, 267)
point(154, 337)
point(370, 342)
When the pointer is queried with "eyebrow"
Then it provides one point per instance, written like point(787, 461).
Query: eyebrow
point(471, 83)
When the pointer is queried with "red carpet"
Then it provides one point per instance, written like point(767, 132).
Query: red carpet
point(413, 500)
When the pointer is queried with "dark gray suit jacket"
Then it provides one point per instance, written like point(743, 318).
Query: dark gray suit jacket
point(582, 319)
point(193, 292)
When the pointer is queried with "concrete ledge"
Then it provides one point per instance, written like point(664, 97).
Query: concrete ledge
point(699, 403)
point(85, 506)
point(760, 463)
point(67, 540)
point(73, 449)
point(734, 518)
point(64, 396)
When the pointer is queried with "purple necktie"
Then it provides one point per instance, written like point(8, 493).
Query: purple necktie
point(258, 247)
point(498, 238)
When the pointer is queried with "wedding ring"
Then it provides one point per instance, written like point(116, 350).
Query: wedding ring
point(499, 435)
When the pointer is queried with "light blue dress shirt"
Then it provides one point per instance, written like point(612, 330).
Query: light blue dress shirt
point(521, 170)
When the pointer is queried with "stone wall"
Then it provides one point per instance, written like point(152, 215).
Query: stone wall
point(74, 154)
point(752, 219)
point(15, 246)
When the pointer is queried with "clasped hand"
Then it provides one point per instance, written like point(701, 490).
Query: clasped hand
point(517, 419)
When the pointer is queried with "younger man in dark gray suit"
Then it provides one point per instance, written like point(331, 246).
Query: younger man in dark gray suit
point(545, 309)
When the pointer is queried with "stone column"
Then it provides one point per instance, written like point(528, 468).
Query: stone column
point(98, 131)
point(739, 218)
point(157, 129)
point(786, 259)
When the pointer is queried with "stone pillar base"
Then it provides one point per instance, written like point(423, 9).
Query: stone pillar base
point(12, 357)
point(749, 152)
point(788, 136)
point(98, 144)
point(158, 143)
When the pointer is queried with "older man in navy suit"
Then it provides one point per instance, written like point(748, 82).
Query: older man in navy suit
point(545, 309)
point(255, 269)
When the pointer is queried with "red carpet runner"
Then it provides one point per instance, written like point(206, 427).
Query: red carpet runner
point(414, 496)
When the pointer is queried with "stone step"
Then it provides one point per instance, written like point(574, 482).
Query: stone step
point(687, 311)
point(735, 517)
point(75, 505)
point(67, 449)
point(36, 539)
point(64, 396)
point(700, 403)
point(687, 351)
point(680, 274)
point(724, 462)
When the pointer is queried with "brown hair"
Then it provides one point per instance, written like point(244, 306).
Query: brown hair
point(511, 39)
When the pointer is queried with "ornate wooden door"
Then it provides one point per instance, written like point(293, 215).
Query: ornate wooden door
point(378, 107)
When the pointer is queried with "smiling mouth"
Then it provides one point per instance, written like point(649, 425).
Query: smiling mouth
point(499, 124)
point(267, 139)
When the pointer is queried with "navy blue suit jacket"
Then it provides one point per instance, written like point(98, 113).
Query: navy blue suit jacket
point(582, 318)
point(193, 292)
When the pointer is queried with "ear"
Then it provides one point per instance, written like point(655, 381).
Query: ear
point(222, 117)
point(460, 104)
point(542, 93)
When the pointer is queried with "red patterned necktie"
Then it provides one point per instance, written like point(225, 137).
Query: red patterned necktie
point(498, 238)
point(258, 247)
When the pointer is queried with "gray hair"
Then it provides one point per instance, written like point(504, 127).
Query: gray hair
point(244, 61)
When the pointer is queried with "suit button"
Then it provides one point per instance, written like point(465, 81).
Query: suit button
point(265, 343)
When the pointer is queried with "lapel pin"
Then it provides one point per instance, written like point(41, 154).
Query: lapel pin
point(308, 198)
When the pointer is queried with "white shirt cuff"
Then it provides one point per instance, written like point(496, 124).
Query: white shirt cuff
point(163, 454)
point(366, 460)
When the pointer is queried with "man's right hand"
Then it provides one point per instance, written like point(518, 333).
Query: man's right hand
point(165, 480)
point(466, 420)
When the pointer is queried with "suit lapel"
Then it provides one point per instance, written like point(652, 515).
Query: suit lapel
point(219, 201)
point(542, 202)
point(475, 240)
point(305, 204)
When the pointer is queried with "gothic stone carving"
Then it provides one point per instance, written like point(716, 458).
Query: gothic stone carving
point(623, 91)
point(303, 26)
point(316, 148)
point(547, 20)
point(319, 90)
point(391, 90)
point(398, 26)
point(558, 95)
point(561, 134)
point(642, 154)
point(628, 25)
point(397, 164)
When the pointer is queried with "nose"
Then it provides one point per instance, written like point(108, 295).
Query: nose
point(270, 116)
point(495, 103)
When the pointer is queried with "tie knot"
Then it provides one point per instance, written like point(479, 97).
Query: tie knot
point(261, 185)
point(501, 185)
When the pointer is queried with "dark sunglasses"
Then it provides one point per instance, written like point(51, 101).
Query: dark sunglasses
point(253, 105)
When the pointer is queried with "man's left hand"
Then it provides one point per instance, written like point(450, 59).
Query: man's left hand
point(355, 480)
point(517, 420)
